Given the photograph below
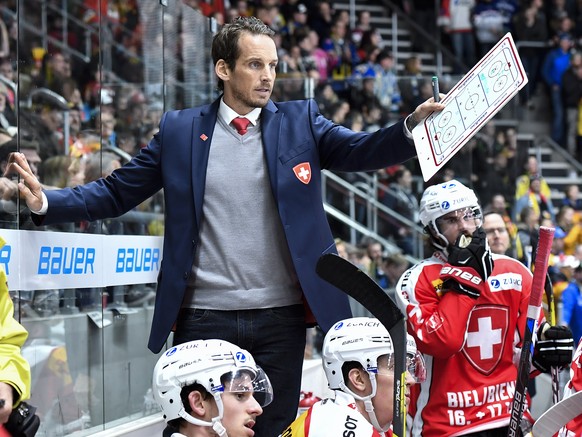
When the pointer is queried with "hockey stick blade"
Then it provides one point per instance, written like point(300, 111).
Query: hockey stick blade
point(558, 415)
point(533, 312)
point(351, 280)
point(354, 282)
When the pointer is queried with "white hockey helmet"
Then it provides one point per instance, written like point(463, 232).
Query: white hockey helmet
point(218, 366)
point(441, 199)
point(360, 339)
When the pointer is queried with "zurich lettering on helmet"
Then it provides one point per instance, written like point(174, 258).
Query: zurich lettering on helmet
point(441, 199)
point(360, 339)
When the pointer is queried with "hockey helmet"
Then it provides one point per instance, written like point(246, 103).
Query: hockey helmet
point(441, 199)
point(360, 339)
point(218, 366)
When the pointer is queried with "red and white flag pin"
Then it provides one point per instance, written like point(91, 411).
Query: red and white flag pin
point(203, 137)
point(303, 172)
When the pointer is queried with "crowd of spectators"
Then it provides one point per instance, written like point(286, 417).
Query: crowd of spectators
point(358, 83)
point(108, 115)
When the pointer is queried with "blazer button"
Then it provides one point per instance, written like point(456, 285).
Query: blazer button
point(185, 275)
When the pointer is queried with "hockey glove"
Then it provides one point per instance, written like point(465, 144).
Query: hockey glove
point(472, 252)
point(554, 347)
point(469, 265)
point(464, 280)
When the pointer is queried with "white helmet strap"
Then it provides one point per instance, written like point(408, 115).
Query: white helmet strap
point(372, 415)
point(437, 238)
point(218, 427)
point(369, 407)
point(215, 424)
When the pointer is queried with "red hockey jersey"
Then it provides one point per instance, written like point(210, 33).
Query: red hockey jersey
point(574, 385)
point(471, 346)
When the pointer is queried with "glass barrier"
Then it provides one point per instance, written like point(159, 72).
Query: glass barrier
point(85, 90)
point(84, 105)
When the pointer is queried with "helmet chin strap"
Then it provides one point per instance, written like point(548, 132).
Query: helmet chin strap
point(437, 239)
point(372, 415)
point(216, 423)
point(218, 427)
point(368, 406)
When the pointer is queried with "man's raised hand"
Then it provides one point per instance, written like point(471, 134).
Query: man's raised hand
point(29, 186)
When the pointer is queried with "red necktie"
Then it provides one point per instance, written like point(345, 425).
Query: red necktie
point(241, 124)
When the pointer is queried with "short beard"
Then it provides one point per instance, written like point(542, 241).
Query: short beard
point(238, 96)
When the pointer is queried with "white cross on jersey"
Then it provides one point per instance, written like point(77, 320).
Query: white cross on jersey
point(303, 173)
point(485, 338)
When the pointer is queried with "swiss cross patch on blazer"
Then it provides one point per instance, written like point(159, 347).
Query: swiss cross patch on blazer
point(303, 172)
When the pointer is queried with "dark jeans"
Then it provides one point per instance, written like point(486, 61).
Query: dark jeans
point(276, 339)
point(531, 65)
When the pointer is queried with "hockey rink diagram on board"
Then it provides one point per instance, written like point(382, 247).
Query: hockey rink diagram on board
point(478, 96)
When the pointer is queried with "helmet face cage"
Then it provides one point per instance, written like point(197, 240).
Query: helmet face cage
point(359, 339)
point(415, 364)
point(441, 199)
point(217, 365)
point(249, 379)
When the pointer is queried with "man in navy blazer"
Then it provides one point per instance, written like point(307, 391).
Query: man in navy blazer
point(297, 143)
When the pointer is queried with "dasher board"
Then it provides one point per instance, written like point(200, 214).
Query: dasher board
point(471, 103)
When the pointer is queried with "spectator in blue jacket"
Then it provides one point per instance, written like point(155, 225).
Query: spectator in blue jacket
point(572, 305)
point(555, 64)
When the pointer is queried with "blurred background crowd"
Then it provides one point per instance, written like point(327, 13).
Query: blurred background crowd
point(88, 75)
point(84, 83)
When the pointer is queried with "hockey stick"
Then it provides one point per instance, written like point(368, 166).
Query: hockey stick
point(558, 415)
point(351, 280)
point(533, 312)
point(554, 372)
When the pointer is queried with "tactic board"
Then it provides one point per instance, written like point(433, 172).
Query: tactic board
point(478, 96)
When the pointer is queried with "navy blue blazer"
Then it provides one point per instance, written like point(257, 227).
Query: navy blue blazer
point(176, 159)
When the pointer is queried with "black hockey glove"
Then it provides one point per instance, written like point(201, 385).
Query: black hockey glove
point(472, 252)
point(469, 264)
point(554, 347)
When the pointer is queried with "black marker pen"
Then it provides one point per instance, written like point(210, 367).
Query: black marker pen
point(435, 89)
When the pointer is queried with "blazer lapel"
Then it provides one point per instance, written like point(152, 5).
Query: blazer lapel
point(202, 130)
point(271, 121)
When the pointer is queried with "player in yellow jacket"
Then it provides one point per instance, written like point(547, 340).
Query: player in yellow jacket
point(14, 369)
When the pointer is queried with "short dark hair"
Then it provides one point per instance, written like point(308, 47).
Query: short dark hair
point(186, 390)
point(225, 42)
point(384, 54)
point(301, 34)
